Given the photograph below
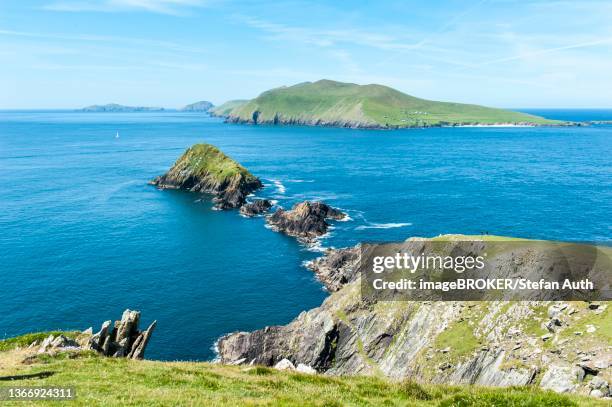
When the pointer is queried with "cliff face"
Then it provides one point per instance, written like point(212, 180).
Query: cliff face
point(204, 168)
point(489, 343)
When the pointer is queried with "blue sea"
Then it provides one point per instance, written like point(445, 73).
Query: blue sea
point(83, 237)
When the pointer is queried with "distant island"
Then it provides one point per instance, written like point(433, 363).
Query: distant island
point(339, 104)
point(202, 106)
point(114, 107)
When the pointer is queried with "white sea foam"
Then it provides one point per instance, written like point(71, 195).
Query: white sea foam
point(383, 226)
point(280, 188)
point(300, 180)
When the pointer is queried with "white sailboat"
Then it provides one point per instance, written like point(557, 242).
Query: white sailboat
point(117, 135)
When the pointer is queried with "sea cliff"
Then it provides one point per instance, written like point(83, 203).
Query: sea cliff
point(562, 346)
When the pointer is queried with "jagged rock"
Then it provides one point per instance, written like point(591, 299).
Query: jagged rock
point(284, 364)
point(141, 342)
point(599, 384)
point(53, 344)
point(337, 267)
point(257, 207)
point(125, 340)
point(302, 368)
point(559, 379)
point(204, 168)
point(306, 220)
point(596, 393)
point(46, 344)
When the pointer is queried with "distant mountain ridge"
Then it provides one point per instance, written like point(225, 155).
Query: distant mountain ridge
point(339, 104)
point(114, 107)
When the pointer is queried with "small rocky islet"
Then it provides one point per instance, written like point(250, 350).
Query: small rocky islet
point(203, 168)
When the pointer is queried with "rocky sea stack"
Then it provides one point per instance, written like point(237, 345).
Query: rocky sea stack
point(204, 168)
point(255, 208)
point(306, 220)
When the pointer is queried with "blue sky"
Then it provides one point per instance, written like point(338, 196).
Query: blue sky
point(530, 53)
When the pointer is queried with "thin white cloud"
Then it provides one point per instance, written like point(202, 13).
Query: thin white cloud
point(538, 53)
point(327, 37)
point(171, 7)
point(102, 39)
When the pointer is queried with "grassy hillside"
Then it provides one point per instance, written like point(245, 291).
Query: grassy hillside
point(205, 160)
point(112, 381)
point(227, 107)
point(333, 103)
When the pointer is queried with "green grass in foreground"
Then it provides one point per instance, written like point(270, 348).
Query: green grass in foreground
point(27, 339)
point(108, 381)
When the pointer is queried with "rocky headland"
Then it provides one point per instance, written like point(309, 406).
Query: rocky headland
point(203, 168)
point(562, 346)
point(306, 220)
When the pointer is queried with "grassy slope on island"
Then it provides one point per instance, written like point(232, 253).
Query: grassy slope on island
point(338, 103)
point(206, 160)
point(112, 381)
point(227, 107)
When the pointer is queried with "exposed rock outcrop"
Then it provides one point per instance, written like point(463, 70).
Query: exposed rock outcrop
point(119, 339)
point(123, 339)
point(337, 268)
point(255, 208)
point(306, 220)
point(488, 343)
point(204, 168)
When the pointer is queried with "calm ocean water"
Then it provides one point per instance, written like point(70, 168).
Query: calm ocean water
point(82, 235)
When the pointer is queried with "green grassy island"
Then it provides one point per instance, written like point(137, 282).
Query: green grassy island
point(338, 104)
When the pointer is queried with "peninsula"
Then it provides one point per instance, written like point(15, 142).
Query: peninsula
point(338, 104)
